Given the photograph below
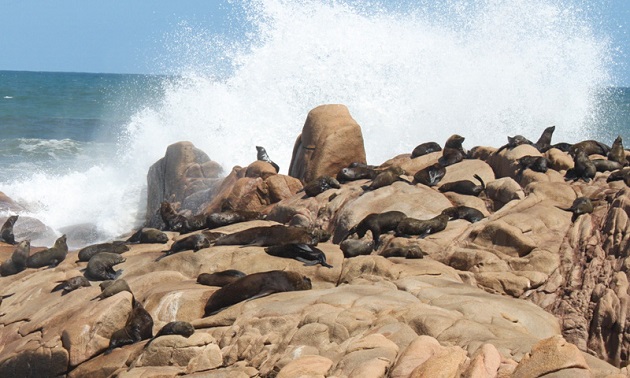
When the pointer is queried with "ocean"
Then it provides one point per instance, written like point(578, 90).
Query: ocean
point(75, 148)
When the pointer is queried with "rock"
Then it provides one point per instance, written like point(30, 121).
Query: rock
point(502, 191)
point(311, 366)
point(552, 355)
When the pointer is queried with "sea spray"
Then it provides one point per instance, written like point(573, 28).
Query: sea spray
point(408, 74)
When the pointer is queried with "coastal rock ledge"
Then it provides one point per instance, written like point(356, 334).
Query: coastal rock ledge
point(534, 289)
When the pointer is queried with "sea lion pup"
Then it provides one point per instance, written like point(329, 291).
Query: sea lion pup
point(255, 286)
point(100, 266)
point(86, 253)
point(172, 220)
point(464, 186)
point(192, 242)
point(320, 185)
point(583, 167)
point(408, 252)
point(535, 163)
point(18, 260)
point(422, 228)
point(581, 205)
point(148, 235)
point(71, 284)
point(109, 288)
point(378, 224)
point(51, 256)
point(386, 178)
point(464, 212)
point(425, 148)
point(305, 253)
point(544, 142)
point(225, 218)
point(360, 172)
point(6, 232)
point(617, 152)
point(356, 247)
point(272, 235)
point(219, 278)
point(263, 156)
point(431, 175)
point(139, 327)
point(605, 165)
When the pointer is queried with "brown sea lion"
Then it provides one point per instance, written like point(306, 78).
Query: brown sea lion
point(71, 284)
point(450, 156)
point(272, 235)
point(617, 152)
point(226, 218)
point(172, 220)
point(139, 327)
point(464, 186)
point(100, 266)
point(356, 173)
point(408, 252)
point(51, 256)
point(193, 242)
point(425, 148)
point(308, 254)
point(219, 278)
point(463, 212)
point(255, 286)
point(109, 288)
point(320, 185)
point(86, 253)
point(431, 175)
point(263, 156)
point(544, 142)
point(583, 167)
point(148, 235)
point(455, 141)
point(581, 205)
point(422, 228)
point(18, 260)
point(6, 232)
point(378, 224)
point(605, 165)
point(386, 177)
point(590, 147)
point(619, 175)
point(514, 142)
point(176, 328)
point(356, 247)
point(535, 163)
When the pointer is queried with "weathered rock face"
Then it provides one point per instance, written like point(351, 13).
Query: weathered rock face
point(330, 140)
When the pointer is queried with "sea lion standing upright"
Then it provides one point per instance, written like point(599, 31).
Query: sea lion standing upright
point(425, 148)
point(544, 142)
point(221, 278)
point(100, 266)
point(18, 260)
point(51, 256)
point(6, 232)
point(583, 167)
point(263, 156)
point(172, 220)
point(453, 151)
point(617, 152)
point(139, 327)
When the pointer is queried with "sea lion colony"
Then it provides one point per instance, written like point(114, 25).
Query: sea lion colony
point(299, 242)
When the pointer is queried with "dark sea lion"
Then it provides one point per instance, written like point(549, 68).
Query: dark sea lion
point(544, 142)
point(109, 288)
point(455, 141)
point(581, 205)
point(219, 278)
point(450, 156)
point(148, 235)
point(464, 212)
point(272, 235)
point(320, 185)
point(422, 228)
point(139, 327)
point(583, 167)
point(562, 146)
point(176, 328)
point(356, 247)
point(263, 156)
point(255, 286)
point(86, 253)
point(172, 220)
point(408, 252)
point(51, 256)
point(590, 147)
point(71, 284)
point(378, 224)
point(356, 173)
point(386, 178)
point(100, 266)
point(431, 175)
point(535, 163)
point(357, 164)
point(619, 175)
point(189, 243)
point(605, 165)
point(6, 232)
point(229, 217)
point(305, 253)
point(18, 260)
point(514, 142)
point(464, 186)
point(617, 152)
point(425, 148)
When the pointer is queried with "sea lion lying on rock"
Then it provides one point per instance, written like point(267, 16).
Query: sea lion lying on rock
point(148, 235)
point(100, 266)
point(109, 288)
point(581, 205)
point(408, 252)
point(86, 253)
point(139, 327)
point(535, 163)
point(463, 212)
point(464, 186)
point(18, 260)
point(583, 167)
point(378, 224)
point(386, 178)
point(431, 175)
point(356, 247)
point(305, 253)
point(590, 147)
point(422, 228)
point(272, 235)
point(514, 142)
point(605, 165)
point(255, 286)
point(6, 232)
point(425, 148)
point(229, 217)
point(356, 173)
point(320, 185)
point(71, 284)
point(219, 278)
point(193, 242)
point(51, 256)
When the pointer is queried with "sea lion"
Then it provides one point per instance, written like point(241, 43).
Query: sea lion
point(431, 175)
point(86, 253)
point(378, 224)
point(51, 256)
point(356, 173)
point(6, 232)
point(100, 266)
point(356, 247)
point(255, 286)
point(450, 156)
point(590, 147)
point(172, 220)
point(581, 205)
point(583, 167)
point(193, 242)
point(412, 226)
point(176, 328)
point(71, 284)
point(605, 165)
point(617, 152)
point(139, 327)
point(109, 288)
point(544, 142)
point(463, 212)
point(408, 252)
point(464, 186)
point(535, 163)
point(3, 297)
point(562, 146)
point(320, 185)
point(455, 141)
point(226, 218)
point(18, 260)
point(219, 278)
point(263, 156)
point(386, 178)
point(272, 235)
point(305, 253)
point(425, 148)
point(514, 142)
point(619, 175)
point(148, 235)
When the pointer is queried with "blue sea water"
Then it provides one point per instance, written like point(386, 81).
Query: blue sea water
point(75, 148)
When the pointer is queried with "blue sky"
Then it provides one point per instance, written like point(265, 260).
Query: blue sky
point(123, 36)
